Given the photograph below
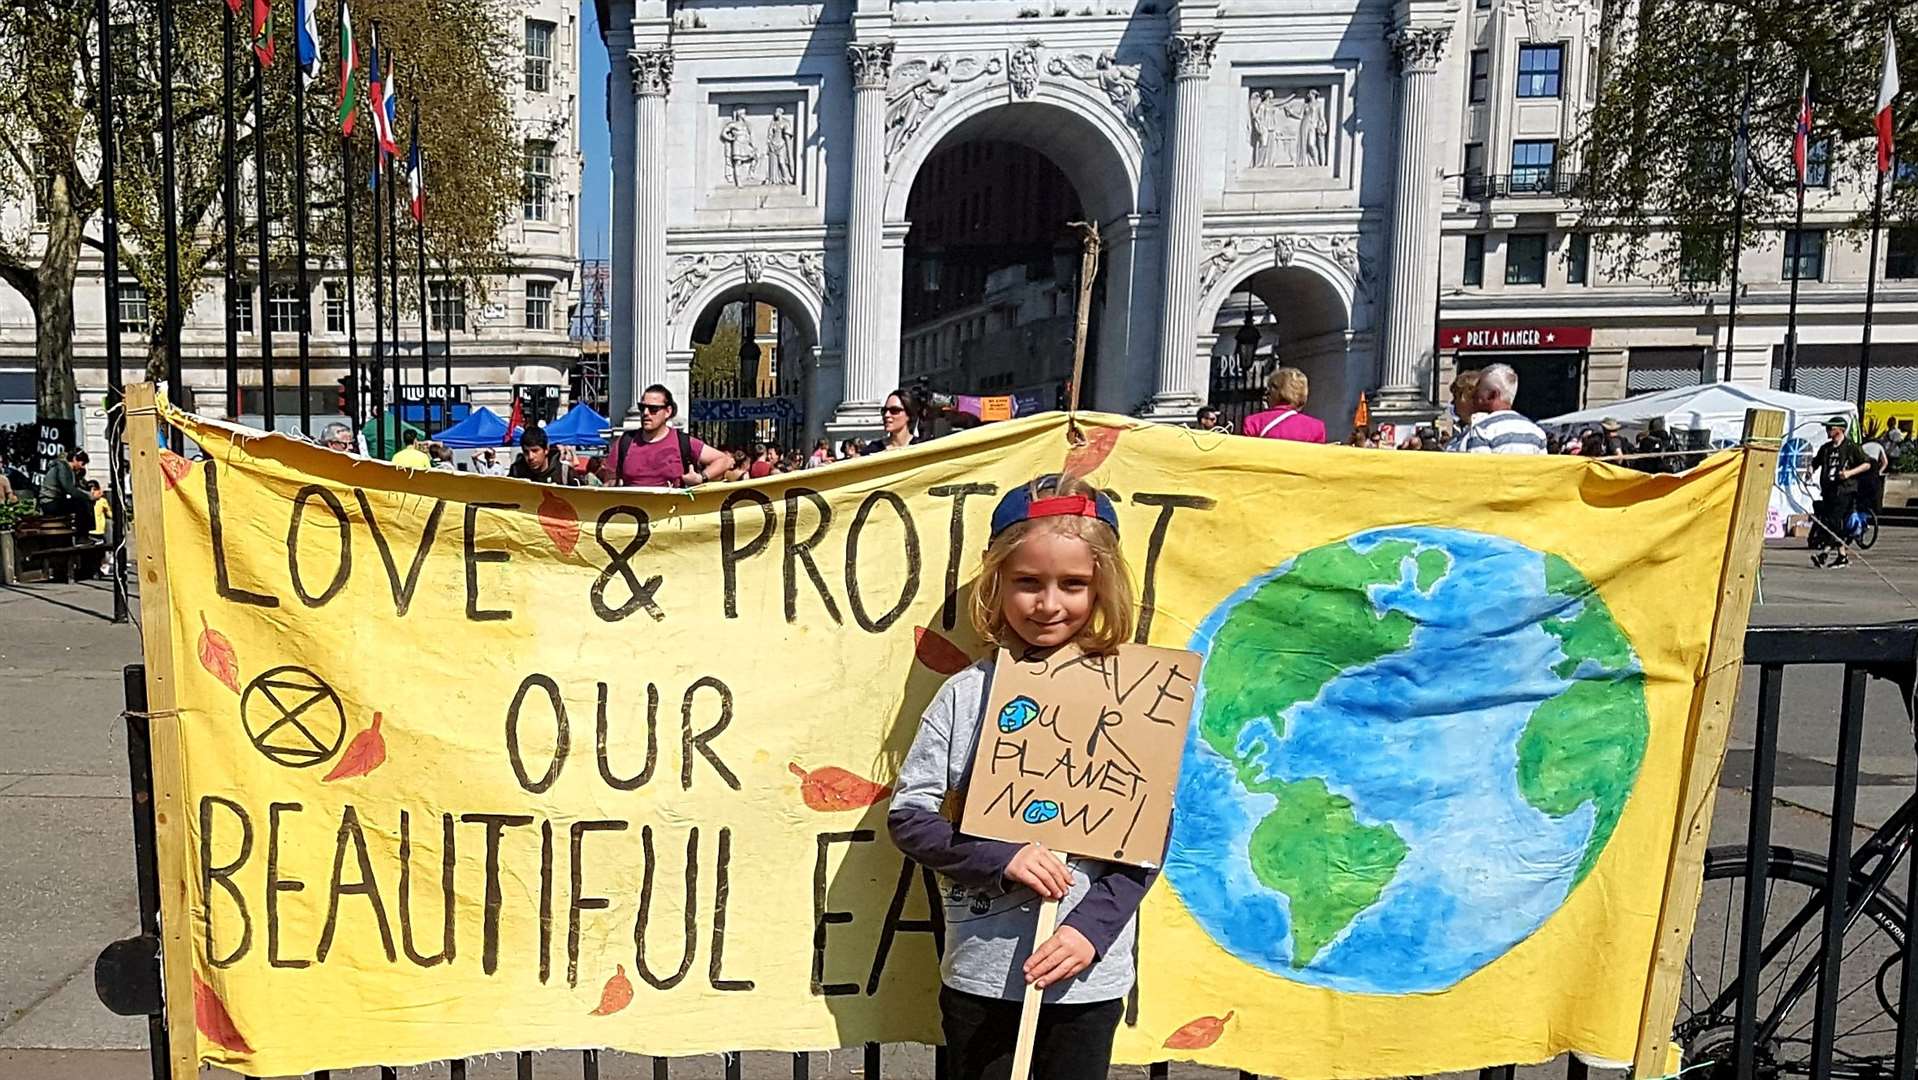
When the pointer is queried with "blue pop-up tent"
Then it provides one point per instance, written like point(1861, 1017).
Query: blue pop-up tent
point(581, 426)
point(482, 427)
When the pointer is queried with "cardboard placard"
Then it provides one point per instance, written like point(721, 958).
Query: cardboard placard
point(1081, 752)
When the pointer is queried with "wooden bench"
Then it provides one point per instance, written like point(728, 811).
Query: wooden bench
point(51, 542)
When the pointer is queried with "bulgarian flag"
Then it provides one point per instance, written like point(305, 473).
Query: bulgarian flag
point(1887, 89)
point(349, 67)
point(263, 32)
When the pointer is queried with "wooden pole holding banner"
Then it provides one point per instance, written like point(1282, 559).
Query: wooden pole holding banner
point(1724, 664)
point(169, 781)
point(1088, 270)
point(1029, 1008)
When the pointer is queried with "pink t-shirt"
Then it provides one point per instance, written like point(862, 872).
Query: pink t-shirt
point(1283, 423)
point(652, 464)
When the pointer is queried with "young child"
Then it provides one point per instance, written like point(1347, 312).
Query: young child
point(1053, 575)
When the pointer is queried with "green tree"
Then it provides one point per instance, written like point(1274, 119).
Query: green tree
point(1657, 149)
point(455, 59)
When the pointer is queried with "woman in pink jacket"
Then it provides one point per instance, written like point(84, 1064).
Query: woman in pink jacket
point(1285, 392)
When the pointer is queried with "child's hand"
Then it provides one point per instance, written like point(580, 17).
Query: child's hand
point(1041, 871)
point(1065, 954)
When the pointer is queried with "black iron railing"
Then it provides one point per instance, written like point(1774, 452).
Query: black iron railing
point(1539, 183)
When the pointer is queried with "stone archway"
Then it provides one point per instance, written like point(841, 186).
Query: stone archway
point(766, 391)
point(1302, 314)
point(1104, 159)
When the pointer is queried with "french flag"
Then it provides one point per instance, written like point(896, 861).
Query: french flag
point(416, 176)
point(1887, 89)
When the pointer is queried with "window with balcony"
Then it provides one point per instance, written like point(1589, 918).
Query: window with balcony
point(539, 305)
point(1525, 259)
point(1481, 75)
point(539, 55)
point(446, 300)
point(1804, 254)
point(335, 307)
point(1474, 274)
point(536, 193)
point(1578, 258)
point(131, 318)
point(1539, 67)
point(1534, 164)
point(1901, 253)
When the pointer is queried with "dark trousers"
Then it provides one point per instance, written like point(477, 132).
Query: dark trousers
point(1833, 510)
point(1074, 1041)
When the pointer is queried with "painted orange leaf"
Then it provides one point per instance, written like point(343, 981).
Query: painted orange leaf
point(1199, 1034)
point(365, 753)
point(1089, 455)
point(211, 1017)
point(833, 788)
point(938, 653)
point(617, 995)
point(560, 521)
point(217, 656)
point(173, 468)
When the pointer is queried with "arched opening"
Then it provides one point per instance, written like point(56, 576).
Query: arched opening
point(750, 376)
point(992, 259)
point(1284, 316)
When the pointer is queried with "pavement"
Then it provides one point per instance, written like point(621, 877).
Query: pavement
point(66, 863)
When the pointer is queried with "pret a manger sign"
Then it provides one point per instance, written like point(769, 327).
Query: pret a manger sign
point(1080, 752)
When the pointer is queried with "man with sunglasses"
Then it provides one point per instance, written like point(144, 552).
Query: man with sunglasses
point(659, 454)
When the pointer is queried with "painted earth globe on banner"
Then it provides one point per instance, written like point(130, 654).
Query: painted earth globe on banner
point(1408, 748)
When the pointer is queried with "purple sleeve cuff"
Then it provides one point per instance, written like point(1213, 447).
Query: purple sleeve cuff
point(937, 844)
point(1109, 904)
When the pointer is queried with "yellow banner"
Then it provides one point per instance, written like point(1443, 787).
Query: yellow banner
point(471, 765)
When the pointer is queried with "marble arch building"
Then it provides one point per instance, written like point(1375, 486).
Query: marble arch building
point(1267, 148)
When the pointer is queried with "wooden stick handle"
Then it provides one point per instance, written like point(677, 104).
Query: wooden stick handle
point(1029, 1008)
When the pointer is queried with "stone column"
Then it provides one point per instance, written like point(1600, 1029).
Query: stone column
point(1412, 291)
point(1182, 374)
point(652, 79)
point(620, 392)
point(871, 363)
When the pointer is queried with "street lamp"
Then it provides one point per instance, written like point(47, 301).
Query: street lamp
point(1248, 337)
point(749, 350)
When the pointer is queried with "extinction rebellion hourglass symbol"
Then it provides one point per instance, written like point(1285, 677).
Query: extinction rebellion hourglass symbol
point(292, 717)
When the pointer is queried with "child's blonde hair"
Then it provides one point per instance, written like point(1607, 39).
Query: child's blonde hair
point(1112, 600)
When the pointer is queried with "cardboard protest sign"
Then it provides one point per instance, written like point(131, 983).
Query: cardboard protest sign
point(1081, 752)
point(448, 765)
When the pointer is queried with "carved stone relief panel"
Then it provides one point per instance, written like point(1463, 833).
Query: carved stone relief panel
point(1288, 124)
point(758, 140)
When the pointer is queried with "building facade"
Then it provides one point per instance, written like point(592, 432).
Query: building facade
point(517, 336)
point(1375, 191)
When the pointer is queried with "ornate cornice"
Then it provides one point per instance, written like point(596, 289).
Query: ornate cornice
point(652, 72)
point(1191, 54)
point(871, 63)
point(1418, 48)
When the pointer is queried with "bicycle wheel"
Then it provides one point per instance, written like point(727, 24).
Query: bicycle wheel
point(1869, 976)
point(1868, 534)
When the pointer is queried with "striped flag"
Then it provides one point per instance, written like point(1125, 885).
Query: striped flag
point(1801, 138)
point(306, 41)
point(376, 92)
point(416, 174)
point(349, 67)
point(388, 105)
point(1887, 89)
point(263, 32)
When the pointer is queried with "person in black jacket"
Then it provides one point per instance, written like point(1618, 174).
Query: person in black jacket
point(1839, 463)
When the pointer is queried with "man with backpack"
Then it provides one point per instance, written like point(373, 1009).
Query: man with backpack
point(659, 454)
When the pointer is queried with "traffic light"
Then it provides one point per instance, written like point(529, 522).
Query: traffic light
point(348, 395)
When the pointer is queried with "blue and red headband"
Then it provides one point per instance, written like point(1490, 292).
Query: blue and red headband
point(1018, 505)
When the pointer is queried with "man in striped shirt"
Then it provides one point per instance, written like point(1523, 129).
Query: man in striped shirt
point(1497, 429)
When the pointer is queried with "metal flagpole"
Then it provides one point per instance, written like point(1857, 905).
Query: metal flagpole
point(170, 223)
point(230, 206)
point(353, 410)
point(1788, 381)
point(377, 367)
point(393, 280)
point(261, 213)
point(1871, 294)
point(116, 383)
point(446, 333)
point(299, 242)
point(419, 243)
